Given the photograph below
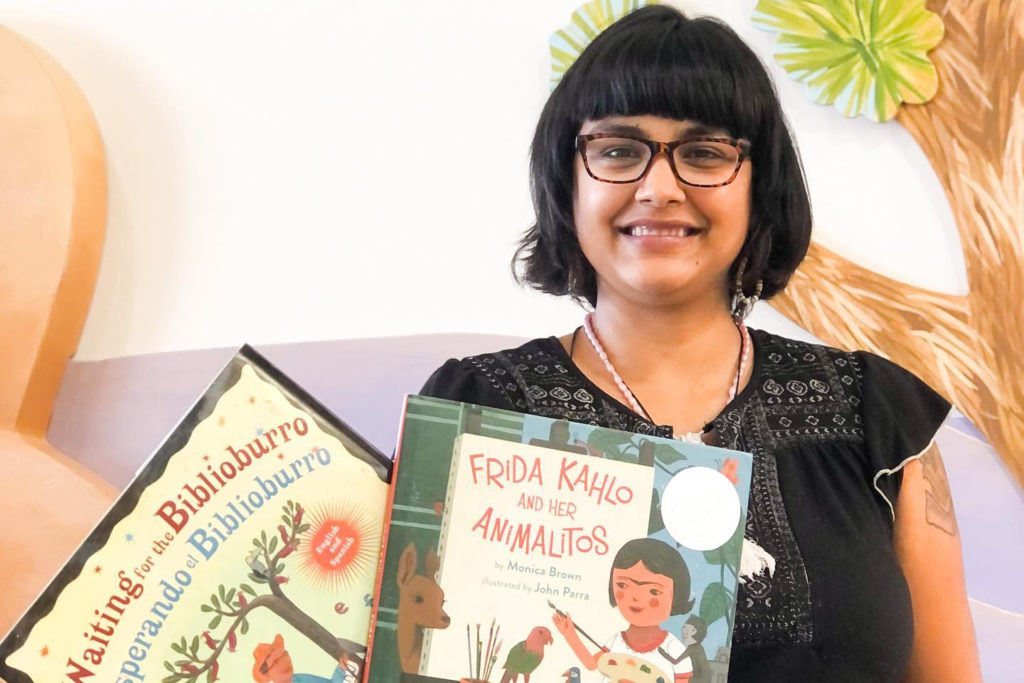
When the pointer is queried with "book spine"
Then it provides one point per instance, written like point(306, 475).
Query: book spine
point(385, 532)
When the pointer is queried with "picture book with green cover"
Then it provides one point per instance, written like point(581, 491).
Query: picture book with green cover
point(521, 546)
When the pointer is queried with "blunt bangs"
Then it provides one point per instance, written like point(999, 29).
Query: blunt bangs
point(656, 61)
point(675, 69)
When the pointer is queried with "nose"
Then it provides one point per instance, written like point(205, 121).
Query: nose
point(660, 186)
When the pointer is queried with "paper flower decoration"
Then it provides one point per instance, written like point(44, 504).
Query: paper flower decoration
point(865, 57)
point(587, 21)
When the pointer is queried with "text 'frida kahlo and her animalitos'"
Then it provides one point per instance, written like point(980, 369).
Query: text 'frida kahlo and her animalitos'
point(566, 478)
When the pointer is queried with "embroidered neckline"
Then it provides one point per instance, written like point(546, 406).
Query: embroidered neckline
point(758, 341)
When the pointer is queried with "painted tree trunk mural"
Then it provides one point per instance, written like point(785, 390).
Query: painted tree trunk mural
point(969, 347)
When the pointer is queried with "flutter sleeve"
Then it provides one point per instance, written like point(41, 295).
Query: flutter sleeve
point(902, 416)
point(458, 380)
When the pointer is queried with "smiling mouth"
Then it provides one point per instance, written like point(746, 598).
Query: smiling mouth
point(636, 610)
point(644, 231)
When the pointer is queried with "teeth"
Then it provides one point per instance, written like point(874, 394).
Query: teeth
point(643, 231)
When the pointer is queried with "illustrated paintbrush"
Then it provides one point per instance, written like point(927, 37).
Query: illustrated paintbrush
point(578, 629)
point(492, 660)
point(478, 645)
point(469, 651)
point(497, 632)
point(490, 643)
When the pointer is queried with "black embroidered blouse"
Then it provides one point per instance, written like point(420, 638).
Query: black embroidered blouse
point(829, 431)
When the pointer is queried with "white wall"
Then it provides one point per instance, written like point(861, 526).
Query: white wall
point(287, 171)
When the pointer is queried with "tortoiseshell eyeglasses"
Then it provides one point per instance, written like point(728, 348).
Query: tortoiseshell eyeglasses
point(696, 161)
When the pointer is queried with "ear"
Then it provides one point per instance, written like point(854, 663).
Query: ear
point(433, 563)
point(407, 565)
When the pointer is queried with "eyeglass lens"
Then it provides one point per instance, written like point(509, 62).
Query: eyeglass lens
point(700, 162)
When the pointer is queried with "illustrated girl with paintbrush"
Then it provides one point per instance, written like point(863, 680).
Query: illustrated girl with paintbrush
point(649, 583)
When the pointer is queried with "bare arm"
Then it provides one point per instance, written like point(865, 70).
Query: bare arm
point(927, 544)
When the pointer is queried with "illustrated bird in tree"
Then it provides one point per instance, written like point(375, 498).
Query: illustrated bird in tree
point(526, 656)
point(572, 675)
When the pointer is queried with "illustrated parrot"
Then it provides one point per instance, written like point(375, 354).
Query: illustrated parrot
point(572, 675)
point(526, 656)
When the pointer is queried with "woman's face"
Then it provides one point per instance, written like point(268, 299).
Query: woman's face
point(643, 597)
point(702, 229)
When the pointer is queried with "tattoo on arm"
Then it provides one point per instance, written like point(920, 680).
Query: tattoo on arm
point(938, 501)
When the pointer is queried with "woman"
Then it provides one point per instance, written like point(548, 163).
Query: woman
point(669, 196)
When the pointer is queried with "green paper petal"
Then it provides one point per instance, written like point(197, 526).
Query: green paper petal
point(865, 57)
point(586, 22)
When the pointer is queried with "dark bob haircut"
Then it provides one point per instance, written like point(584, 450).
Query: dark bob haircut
point(659, 558)
point(657, 61)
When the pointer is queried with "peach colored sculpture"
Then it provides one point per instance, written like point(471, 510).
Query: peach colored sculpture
point(52, 215)
point(969, 347)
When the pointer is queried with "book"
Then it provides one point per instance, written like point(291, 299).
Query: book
point(245, 549)
point(251, 546)
point(523, 545)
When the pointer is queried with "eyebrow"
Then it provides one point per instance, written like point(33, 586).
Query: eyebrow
point(641, 583)
point(697, 129)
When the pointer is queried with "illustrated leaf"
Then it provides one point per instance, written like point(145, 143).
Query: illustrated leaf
point(714, 603)
point(611, 443)
point(195, 645)
point(248, 589)
point(244, 628)
point(180, 649)
point(215, 622)
point(667, 453)
point(169, 667)
point(253, 577)
point(729, 553)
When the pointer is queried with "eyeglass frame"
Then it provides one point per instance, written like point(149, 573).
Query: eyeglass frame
point(657, 147)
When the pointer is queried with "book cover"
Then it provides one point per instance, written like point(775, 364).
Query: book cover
point(246, 549)
point(520, 545)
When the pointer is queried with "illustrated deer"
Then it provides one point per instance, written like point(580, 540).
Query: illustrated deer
point(420, 606)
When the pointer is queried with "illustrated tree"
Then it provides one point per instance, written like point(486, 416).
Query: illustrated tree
point(233, 607)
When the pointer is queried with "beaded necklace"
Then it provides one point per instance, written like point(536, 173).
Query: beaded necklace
point(691, 437)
